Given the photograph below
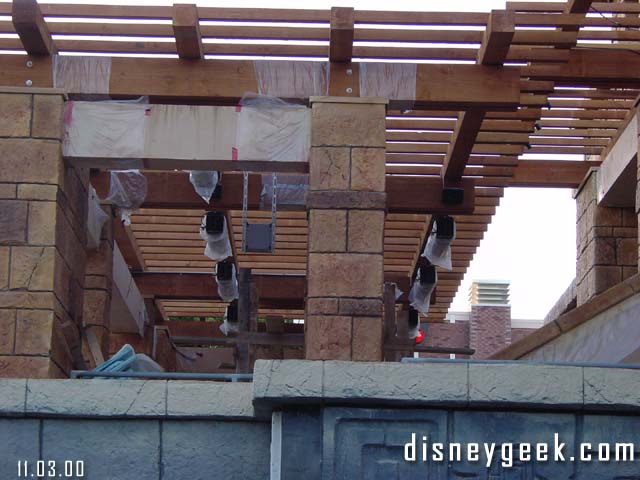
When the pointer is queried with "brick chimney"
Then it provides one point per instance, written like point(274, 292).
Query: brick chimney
point(490, 325)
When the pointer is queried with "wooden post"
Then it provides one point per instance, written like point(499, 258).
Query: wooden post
point(389, 321)
point(244, 318)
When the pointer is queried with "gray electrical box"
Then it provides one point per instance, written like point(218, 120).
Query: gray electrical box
point(258, 237)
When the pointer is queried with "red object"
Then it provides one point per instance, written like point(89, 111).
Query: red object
point(420, 337)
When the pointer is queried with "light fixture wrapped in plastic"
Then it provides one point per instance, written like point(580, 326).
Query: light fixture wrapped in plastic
point(204, 182)
point(227, 281)
point(96, 217)
point(291, 189)
point(438, 248)
point(422, 288)
point(213, 230)
point(230, 319)
point(414, 323)
point(127, 191)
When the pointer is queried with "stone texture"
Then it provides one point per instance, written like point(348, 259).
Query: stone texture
point(535, 385)
point(13, 221)
point(47, 116)
point(238, 450)
point(21, 367)
point(33, 191)
point(277, 379)
point(19, 440)
point(397, 383)
point(209, 399)
point(7, 331)
point(341, 124)
point(368, 169)
point(612, 389)
point(327, 230)
point(328, 337)
point(110, 450)
point(34, 329)
point(15, 110)
point(366, 231)
point(97, 397)
point(345, 275)
point(627, 252)
point(13, 394)
point(4, 267)
point(39, 161)
point(347, 200)
point(366, 344)
point(329, 168)
point(42, 223)
point(322, 306)
point(7, 190)
point(364, 307)
point(32, 268)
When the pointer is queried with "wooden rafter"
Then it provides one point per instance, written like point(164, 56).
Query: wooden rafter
point(30, 26)
point(186, 28)
point(341, 40)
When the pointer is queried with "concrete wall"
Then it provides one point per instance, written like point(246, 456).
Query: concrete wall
point(318, 420)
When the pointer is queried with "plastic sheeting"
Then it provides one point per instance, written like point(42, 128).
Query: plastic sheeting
point(127, 191)
point(438, 250)
point(96, 217)
point(105, 129)
point(204, 182)
point(218, 245)
point(272, 129)
point(190, 132)
point(126, 360)
point(420, 295)
point(82, 74)
point(396, 81)
point(228, 289)
point(291, 189)
point(292, 79)
point(226, 326)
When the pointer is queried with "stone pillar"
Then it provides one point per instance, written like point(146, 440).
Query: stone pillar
point(607, 243)
point(42, 239)
point(98, 287)
point(346, 210)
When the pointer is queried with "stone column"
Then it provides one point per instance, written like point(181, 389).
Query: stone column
point(346, 210)
point(607, 243)
point(42, 239)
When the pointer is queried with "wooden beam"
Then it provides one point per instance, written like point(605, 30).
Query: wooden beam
point(497, 38)
point(341, 36)
point(551, 173)
point(424, 195)
point(244, 338)
point(31, 27)
point(462, 143)
point(128, 246)
point(186, 29)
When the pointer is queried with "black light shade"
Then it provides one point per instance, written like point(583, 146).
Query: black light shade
point(232, 312)
point(452, 195)
point(413, 319)
point(445, 227)
point(224, 271)
point(214, 224)
point(428, 275)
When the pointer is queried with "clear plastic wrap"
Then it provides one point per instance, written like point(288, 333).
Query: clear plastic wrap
point(105, 129)
point(190, 132)
point(227, 327)
point(204, 182)
point(228, 289)
point(96, 217)
point(438, 250)
point(272, 129)
point(291, 189)
point(395, 81)
point(127, 191)
point(76, 74)
point(218, 245)
point(420, 295)
point(292, 79)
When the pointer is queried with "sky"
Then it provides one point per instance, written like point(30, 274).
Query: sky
point(531, 240)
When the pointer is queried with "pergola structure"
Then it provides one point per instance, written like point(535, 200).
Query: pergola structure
point(537, 78)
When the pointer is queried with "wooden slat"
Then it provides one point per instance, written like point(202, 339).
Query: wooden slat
point(186, 29)
point(342, 30)
point(30, 26)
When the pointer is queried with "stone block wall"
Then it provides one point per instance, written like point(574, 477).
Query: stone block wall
point(346, 210)
point(42, 239)
point(607, 243)
point(489, 329)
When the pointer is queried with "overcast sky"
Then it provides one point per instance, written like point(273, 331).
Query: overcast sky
point(531, 241)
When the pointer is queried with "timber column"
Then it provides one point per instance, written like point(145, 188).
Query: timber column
point(43, 211)
point(346, 209)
